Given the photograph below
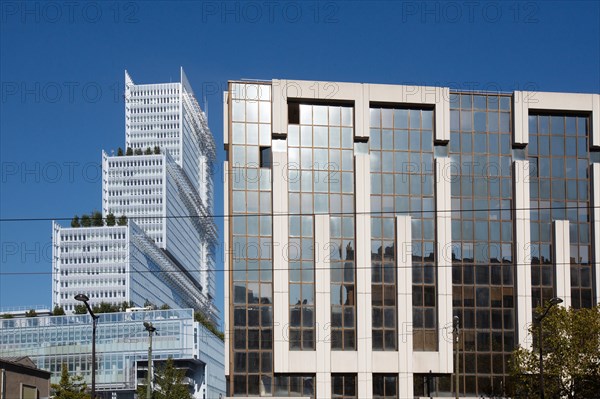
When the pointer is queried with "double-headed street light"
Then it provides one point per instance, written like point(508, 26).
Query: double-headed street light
point(539, 318)
point(84, 298)
point(151, 329)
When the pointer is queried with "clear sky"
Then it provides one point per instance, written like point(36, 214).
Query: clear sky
point(62, 67)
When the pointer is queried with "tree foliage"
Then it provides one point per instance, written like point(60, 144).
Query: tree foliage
point(202, 319)
point(148, 151)
point(168, 383)
point(138, 151)
point(111, 220)
point(97, 220)
point(58, 311)
point(69, 387)
point(129, 151)
point(571, 348)
point(122, 220)
point(147, 304)
point(75, 221)
point(156, 149)
point(80, 309)
point(31, 313)
point(105, 307)
point(86, 221)
point(119, 152)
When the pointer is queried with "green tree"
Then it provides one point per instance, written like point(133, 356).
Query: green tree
point(31, 313)
point(69, 387)
point(58, 311)
point(122, 220)
point(119, 152)
point(97, 220)
point(105, 307)
point(111, 220)
point(571, 342)
point(164, 306)
point(7, 316)
point(168, 383)
point(138, 151)
point(75, 221)
point(126, 305)
point(129, 151)
point(156, 149)
point(206, 322)
point(148, 151)
point(86, 221)
point(147, 303)
point(80, 309)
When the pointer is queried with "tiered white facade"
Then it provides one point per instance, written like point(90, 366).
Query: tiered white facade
point(165, 187)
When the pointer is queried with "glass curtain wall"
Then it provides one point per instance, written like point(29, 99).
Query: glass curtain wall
point(321, 181)
point(251, 238)
point(482, 232)
point(401, 152)
point(560, 190)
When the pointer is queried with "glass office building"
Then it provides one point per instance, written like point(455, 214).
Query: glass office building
point(121, 349)
point(361, 218)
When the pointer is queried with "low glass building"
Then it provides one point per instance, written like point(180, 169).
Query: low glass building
point(121, 349)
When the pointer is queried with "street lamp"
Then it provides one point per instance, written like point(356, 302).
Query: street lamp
point(84, 298)
point(539, 318)
point(456, 331)
point(151, 329)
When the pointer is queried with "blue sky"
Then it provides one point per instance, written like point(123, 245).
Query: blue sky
point(61, 73)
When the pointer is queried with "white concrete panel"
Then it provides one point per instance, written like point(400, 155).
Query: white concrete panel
point(444, 262)
point(562, 261)
point(226, 119)
point(442, 116)
point(302, 362)
point(362, 113)
point(362, 195)
point(279, 117)
point(317, 90)
point(522, 251)
point(558, 101)
point(226, 264)
point(520, 116)
point(344, 362)
point(408, 94)
point(405, 320)
point(323, 305)
point(386, 362)
point(280, 263)
point(595, 202)
point(595, 139)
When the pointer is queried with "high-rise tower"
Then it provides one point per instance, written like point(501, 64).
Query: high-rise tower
point(163, 184)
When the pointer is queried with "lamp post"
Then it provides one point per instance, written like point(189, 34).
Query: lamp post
point(84, 298)
point(455, 331)
point(540, 318)
point(151, 329)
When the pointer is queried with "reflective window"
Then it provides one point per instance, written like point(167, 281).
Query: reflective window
point(343, 386)
point(560, 190)
point(294, 385)
point(251, 254)
point(385, 386)
point(401, 153)
point(483, 287)
point(321, 181)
